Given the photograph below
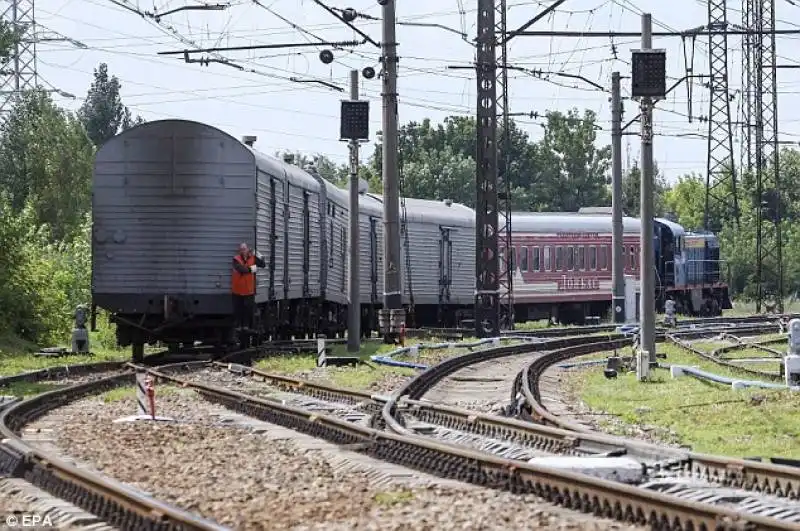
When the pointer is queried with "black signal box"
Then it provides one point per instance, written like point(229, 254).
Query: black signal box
point(649, 73)
point(354, 121)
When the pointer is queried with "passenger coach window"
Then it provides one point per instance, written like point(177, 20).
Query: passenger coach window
point(592, 257)
point(523, 259)
point(603, 257)
point(581, 257)
point(559, 258)
point(535, 259)
point(547, 253)
point(513, 259)
point(570, 258)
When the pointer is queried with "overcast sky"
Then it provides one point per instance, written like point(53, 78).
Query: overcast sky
point(285, 115)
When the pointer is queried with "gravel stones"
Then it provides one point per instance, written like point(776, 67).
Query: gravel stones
point(484, 387)
point(277, 479)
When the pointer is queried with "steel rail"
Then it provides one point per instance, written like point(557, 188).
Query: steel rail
point(127, 509)
point(706, 321)
point(117, 504)
point(713, 357)
point(760, 477)
point(81, 369)
point(575, 491)
point(770, 478)
point(369, 403)
point(417, 387)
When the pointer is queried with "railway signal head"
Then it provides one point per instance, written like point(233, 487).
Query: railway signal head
point(649, 74)
point(354, 122)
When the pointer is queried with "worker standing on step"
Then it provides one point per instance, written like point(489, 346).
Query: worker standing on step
point(243, 286)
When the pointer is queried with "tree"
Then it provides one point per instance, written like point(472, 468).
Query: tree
point(575, 171)
point(562, 170)
point(46, 162)
point(687, 200)
point(632, 195)
point(102, 113)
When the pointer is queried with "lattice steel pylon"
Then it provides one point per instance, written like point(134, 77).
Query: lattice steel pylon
point(506, 261)
point(721, 189)
point(487, 297)
point(20, 74)
point(762, 122)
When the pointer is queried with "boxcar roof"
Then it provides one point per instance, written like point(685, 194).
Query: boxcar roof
point(298, 175)
point(441, 212)
point(553, 223)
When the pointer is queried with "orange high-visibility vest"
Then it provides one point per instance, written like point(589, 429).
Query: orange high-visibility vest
point(243, 283)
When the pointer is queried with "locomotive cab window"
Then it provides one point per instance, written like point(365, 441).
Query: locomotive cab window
point(523, 259)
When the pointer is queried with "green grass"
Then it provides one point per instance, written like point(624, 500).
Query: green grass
point(747, 353)
point(769, 337)
point(708, 417)
point(15, 362)
point(531, 325)
point(25, 389)
point(288, 364)
point(709, 346)
point(392, 498)
point(360, 377)
point(364, 375)
point(17, 356)
point(772, 366)
point(129, 393)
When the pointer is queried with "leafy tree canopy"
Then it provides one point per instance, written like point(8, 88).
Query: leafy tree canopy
point(102, 113)
point(46, 162)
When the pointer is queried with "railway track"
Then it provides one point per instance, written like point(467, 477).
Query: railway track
point(347, 404)
point(760, 490)
point(576, 491)
point(755, 488)
point(716, 356)
point(683, 323)
point(128, 509)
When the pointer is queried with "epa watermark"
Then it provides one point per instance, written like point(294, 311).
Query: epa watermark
point(27, 520)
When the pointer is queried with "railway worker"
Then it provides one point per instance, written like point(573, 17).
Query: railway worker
point(243, 285)
point(669, 310)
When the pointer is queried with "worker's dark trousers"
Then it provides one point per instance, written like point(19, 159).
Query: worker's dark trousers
point(243, 306)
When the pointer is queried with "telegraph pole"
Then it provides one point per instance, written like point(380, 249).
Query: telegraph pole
point(354, 309)
point(392, 316)
point(617, 266)
point(646, 260)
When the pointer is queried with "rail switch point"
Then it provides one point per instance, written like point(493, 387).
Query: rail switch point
point(622, 469)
